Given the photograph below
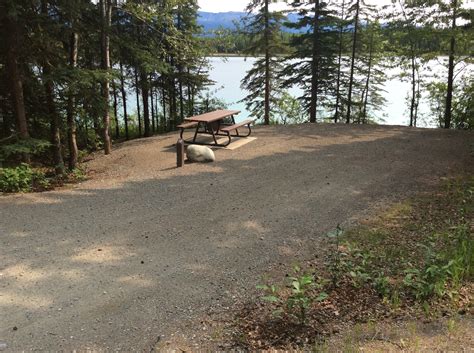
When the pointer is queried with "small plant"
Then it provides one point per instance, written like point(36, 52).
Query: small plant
point(336, 262)
point(23, 147)
point(22, 179)
point(77, 174)
point(302, 295)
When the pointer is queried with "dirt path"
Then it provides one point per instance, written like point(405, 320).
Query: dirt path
point(123, 259)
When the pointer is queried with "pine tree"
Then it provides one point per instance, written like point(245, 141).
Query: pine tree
point(313, 64)
point(263, 27)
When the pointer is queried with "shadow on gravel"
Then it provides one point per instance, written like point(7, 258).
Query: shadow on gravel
point(117, 268)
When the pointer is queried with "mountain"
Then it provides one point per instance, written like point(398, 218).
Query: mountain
point(212, 20)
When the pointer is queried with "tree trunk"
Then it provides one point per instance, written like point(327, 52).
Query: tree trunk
point(117, 126)
point(413, 89)
point(48, 83)
point(152, 103)
point(181, 101)
point(351, 78)
point(56, 147)
point(367, 82)
point(106, 13)
point(314, 66)
point(16, 81)
point(339, 65)
point(137, 92)
point(267, 66)
point(163, 94)
point(417, 102)
point(124, 101)
point(449, 93)
point(71, 123)
point(146, 110)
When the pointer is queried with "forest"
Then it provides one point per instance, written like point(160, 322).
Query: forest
point(69, 70)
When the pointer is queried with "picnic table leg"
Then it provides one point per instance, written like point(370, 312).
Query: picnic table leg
point(195, 134)
point(233, 123)
point(213, 134)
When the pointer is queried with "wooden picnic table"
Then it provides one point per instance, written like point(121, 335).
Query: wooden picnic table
point(215, 123)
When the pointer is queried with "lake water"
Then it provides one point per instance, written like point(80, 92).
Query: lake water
point(228, 72)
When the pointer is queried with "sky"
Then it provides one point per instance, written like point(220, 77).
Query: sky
point(239, 5)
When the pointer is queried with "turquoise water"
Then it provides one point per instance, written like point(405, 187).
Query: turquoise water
point(228, 72)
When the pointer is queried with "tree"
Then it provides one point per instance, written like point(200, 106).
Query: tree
point(11, 14)
point(407, 31)
point(106, 16)
point(340, 39)
point(371, 65)
point(263, 27)
point(312, 66)
point(356, 9)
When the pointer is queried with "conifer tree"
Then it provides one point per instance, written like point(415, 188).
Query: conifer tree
point(263, 27)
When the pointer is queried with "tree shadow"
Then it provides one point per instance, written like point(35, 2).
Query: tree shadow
point(118, 267)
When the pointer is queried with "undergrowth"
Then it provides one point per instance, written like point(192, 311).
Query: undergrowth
point(25, 178)
point(414, 259)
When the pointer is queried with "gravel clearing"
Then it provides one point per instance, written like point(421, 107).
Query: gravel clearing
point(121, 260)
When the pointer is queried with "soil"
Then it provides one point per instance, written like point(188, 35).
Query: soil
point(126, 259)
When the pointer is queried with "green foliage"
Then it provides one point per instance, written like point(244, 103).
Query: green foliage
point(336, 263)
point(263, 27)
point(304, 290)
point(77, 174)
point(29, 146)
point(444, 271)
point(289, 110)
point(22, 179)
point(463, 102)
point(209, 102)
point(432, 267)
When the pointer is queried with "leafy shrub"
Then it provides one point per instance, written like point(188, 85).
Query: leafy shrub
point(22, 179)
point(29, 146)
point(304, 291)
point(443, 272)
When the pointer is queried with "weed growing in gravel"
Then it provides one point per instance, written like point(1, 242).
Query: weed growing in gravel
point(304, 290)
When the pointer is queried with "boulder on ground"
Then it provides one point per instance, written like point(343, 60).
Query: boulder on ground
point(196, 153)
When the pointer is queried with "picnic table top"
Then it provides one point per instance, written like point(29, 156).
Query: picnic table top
point(213, 116)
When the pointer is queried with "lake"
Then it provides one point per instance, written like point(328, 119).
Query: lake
point(227, 72)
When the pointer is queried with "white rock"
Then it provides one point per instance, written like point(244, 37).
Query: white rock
point(196, 153)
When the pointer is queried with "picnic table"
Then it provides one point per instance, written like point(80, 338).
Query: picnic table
point(215, 123)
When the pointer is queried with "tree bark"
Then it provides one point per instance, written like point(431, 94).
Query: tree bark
point(146, 110)
point(413, 90)
point(367, 82)
point(117, 126)
point(137, 92)
point(106, 12)
point(15, 79)
point(351, 79)
point(71, 123)
point(339, 65)
point(267, 66)
point(48, 83)
point(315, 66)
point(449, 93)
point(163, 96)
point(124, 101)
point(152, 103)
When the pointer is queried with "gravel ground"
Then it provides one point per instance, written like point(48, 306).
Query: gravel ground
point(123, 259)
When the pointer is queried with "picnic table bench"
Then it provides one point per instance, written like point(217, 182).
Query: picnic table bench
point(216, 123)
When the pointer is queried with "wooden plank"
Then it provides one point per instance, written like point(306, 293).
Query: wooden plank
point(187, 125)
point(236, 126)
point(213, 116)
